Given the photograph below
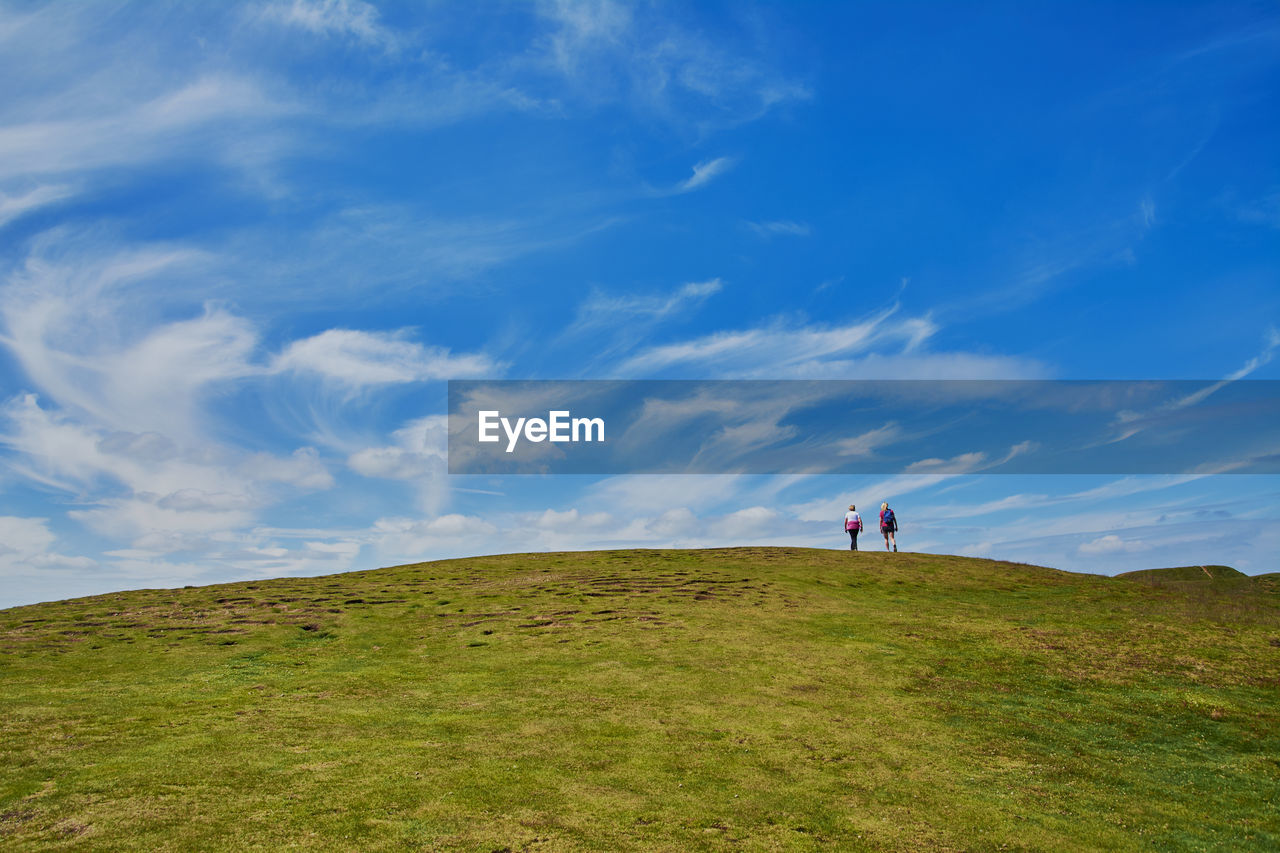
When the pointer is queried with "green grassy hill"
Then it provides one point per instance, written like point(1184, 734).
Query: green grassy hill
point(1188, 574)
point(750, 698)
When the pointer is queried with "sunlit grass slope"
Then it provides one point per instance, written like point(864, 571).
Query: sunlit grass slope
point(751, 698)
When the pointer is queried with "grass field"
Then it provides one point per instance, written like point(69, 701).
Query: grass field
point(750, 698)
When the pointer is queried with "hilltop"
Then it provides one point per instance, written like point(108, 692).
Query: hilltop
point(1188, 574)
point(758, 698)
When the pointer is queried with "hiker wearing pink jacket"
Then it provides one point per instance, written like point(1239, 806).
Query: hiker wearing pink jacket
point(852, 526)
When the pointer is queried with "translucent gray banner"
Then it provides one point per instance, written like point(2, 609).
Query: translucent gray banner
point(863, 427)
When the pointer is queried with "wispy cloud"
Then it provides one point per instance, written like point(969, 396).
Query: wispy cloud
point(1260, 39)
point(1039, 264)
point(191, 120)
point(1264, 210)
point(968, 463)
point(145, 488)
point(1130, 423)
point(780, 228)
point(390, 248)
point(885, 346)
point(867, 443)
point(356, 359)
point(67, 320)
point(1147, 212)
point(129, 417)
point(580, 28)
point(62, 452)
point(623, 52)
point(963, 463)
point(1122, 489)
point(616, 323)
point(1271, 342)
point(602, 309)
point(780, 348)
point(14, 206)
point(93, 328)
point(343, 18)
point(94, 92)
point(704, 173)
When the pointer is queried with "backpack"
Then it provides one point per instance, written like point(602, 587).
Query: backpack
point(889, 521)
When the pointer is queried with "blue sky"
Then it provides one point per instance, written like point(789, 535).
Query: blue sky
point(242, 247)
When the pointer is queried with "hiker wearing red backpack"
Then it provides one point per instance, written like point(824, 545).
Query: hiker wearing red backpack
point(888, 526)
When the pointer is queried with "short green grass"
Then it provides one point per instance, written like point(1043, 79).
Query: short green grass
point(749, 698)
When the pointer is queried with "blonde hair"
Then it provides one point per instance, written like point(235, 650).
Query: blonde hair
point(851, 506)
point(884, 505)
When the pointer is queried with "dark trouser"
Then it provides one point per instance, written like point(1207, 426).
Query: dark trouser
point(853, 540)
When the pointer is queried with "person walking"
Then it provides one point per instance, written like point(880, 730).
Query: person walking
point(852, 526)
point(888, 526)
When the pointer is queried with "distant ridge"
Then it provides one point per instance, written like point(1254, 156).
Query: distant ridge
point(1185, 574)
point(1270, 581)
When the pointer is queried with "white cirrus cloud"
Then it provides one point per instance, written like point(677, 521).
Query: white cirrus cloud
point(351, 18)
point(610, 51)
point(780, 228)
point(601, 309)
point(1129, 423)
point(866, 444)
point(357, 358)
point(780, 349)
point(84, 329)
point(872, 494)
point(704, 173)
point(191, 120)
point(14, 206)
point(965, 463)
point(883, 346)
point(617, 323)
point(962, 463)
